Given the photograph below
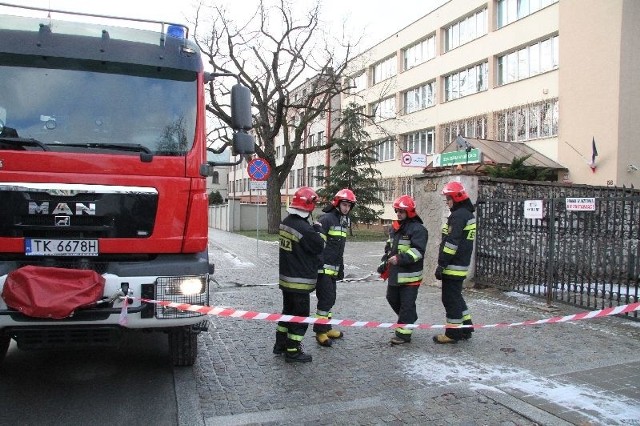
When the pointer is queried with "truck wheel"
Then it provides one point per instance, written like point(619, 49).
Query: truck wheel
point(183, 346)
point(4, 346)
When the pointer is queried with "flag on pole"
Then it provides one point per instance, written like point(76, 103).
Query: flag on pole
point(594, 154)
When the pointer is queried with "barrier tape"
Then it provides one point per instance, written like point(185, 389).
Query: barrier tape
point(251, 315)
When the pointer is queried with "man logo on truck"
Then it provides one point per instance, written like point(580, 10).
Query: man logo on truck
point(63, 208)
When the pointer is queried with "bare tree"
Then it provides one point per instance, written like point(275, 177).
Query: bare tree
point(292, 71)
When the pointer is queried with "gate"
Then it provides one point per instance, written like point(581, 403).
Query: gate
point(589, 259)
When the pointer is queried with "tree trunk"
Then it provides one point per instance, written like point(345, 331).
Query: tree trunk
point(273, 204)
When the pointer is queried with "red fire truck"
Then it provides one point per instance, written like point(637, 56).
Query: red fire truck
point(103, 202)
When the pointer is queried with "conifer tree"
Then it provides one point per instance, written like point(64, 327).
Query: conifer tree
point(354, 168)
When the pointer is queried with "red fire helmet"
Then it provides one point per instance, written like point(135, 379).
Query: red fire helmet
point(304, 199)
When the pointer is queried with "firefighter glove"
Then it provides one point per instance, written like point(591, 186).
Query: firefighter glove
point(438, 273)
point(381, 267)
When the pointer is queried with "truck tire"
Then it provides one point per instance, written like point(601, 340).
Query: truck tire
point(183, 346)
point(4, 346)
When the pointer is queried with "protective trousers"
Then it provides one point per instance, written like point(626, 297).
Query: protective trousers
point(455, 308)
point(326, 293)
point(402, 299)
point(294, 304)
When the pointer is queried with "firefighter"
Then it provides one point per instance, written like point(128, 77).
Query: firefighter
point(454, 258)
point(402, 264)
point(335, 225)
point(300, 247)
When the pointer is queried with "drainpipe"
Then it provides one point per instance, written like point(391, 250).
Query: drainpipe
point(327, 159)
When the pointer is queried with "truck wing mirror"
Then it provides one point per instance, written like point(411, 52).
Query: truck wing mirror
point(243, 144)
point(241, 118)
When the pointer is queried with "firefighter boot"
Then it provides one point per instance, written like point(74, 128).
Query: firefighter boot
point(335, 334)
point(296, 354)
point(466, 332)
point(443, 339)
point(280, 346)
point(323, 339)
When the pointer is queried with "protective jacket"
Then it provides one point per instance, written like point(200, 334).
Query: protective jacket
point(456, 247)
point(300, 246)
point(334, 231)
point(408, 241)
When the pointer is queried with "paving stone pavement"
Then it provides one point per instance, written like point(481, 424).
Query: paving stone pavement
point(584, 372)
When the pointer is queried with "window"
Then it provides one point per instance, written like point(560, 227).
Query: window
point(312, 137)
point(419, 53)
point(511, 10)
point(320, 138)
point(388, 190)
point(466, 82)
point(474, 127)
point(311, 176)
point(406, 186)
point(357, 83)
point(420, 98)
point(386, 150)
point(539, 120)
point(292, 179)
point(384, 110)
point(532, 60)
point(468, 28)
point(215, 178)
point(384, 70)
point(300, 177)
point(422, 142)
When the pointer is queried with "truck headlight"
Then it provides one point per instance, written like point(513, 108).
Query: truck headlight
point(182, 286)
point(192, 290)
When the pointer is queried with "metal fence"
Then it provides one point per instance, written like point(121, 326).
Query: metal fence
point(589, 259)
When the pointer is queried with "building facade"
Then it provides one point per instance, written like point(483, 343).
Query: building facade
point(556, 75)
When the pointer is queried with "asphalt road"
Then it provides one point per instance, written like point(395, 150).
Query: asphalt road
point(132, 384)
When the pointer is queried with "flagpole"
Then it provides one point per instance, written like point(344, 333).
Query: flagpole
point(577, 152)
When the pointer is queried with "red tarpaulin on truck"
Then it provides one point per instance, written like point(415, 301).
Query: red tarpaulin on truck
point(45, 292)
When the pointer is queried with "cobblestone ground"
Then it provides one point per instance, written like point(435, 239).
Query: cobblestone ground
point(545, 374)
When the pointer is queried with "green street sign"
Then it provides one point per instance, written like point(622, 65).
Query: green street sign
point(457, 157)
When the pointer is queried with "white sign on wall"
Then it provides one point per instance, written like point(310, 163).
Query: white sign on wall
point(581, 204)
point(533, 209)
point(409, 159)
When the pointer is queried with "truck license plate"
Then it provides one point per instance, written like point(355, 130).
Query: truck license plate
point(50, 247)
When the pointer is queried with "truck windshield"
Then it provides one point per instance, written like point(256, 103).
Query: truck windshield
point(79, 110)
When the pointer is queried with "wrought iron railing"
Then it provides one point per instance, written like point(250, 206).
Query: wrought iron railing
point(589, 259)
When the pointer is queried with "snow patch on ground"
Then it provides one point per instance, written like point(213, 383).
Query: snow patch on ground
point(595, 404)
point(236, 261)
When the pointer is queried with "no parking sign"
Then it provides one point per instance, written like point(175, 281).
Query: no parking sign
point(259, 169)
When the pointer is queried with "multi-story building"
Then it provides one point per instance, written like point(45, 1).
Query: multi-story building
point(552, 75)
point(556, 75)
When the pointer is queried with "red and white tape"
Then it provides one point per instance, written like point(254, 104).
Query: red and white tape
point(251, 315)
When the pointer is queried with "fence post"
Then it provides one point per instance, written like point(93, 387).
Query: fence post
point(551, 251)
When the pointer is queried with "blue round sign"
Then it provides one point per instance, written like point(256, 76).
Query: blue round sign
point(258, 169)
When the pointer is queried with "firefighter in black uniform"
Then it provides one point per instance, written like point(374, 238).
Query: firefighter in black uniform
point(454, 259)
point(300, 247)
point(335, 225)
point(402, 265)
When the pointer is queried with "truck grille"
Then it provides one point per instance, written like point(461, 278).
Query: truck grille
point(65, 337)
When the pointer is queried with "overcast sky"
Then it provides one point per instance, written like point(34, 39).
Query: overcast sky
point(377, 19)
